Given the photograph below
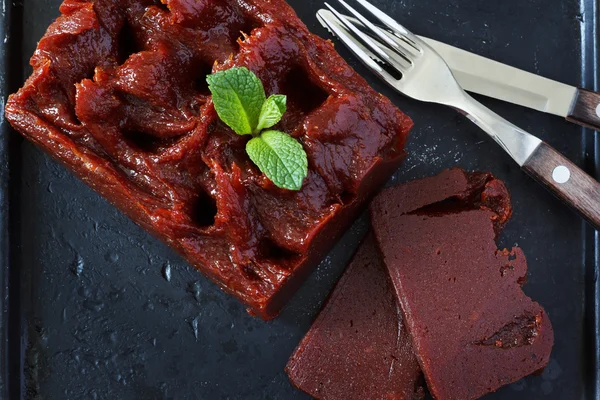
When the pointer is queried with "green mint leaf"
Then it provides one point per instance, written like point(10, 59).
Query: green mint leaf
point(280, 157)
point(271, 112)
point(238, 96)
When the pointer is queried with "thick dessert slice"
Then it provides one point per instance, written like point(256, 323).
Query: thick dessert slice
point(472, 327)
point(358, 347)
point(119, 95)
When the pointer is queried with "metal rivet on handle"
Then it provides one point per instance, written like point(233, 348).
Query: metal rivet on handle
point(598, 110)
point(561, 174)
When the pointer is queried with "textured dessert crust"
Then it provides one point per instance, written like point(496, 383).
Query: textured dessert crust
point(472, 327)
point(358, 347)
point(118, 95)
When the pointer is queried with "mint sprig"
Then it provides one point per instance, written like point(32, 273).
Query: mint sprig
point(238, 96)
point(240, 101)
point(271, 112)
point(281, 155)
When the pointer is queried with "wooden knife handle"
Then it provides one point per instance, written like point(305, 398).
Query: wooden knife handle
point(567, 181)
point(586, 109)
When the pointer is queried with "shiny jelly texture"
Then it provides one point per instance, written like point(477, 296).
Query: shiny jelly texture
point(119, 95)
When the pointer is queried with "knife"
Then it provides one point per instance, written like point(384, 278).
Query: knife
point(490, 78)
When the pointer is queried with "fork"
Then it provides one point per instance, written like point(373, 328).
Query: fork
point(414, 69)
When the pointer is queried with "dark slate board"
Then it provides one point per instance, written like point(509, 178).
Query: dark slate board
point(118, 329)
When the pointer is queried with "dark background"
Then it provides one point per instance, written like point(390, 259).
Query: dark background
point(95, 308)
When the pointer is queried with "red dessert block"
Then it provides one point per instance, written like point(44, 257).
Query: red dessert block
point(118, 94)
point(358, 347)
point(472, 327)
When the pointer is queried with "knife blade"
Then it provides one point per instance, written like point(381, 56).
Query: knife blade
point(481, 75)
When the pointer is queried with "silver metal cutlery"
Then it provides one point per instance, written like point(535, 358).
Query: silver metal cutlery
point(412, 67)
point(491, 78)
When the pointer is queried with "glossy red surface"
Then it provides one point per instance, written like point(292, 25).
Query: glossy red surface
point(118, 94)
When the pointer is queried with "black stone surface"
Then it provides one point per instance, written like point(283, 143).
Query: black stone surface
point(95, 308)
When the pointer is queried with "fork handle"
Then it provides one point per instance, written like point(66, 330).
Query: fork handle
point(566, 180)
point(557, 173)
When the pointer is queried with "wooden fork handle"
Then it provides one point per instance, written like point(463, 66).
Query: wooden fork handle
point(586, 109)
point(567, 181)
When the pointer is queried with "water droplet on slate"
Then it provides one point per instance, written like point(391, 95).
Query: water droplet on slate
point(552, 371)
point(43, 340)
point(77, 266)
point(93, 305)
point(84, 291)
point(519, 385)
point(112, 257)
point(196, 290)
point(64, 315)
point(195, 326)
point(167, 272)
point(50, 188)
point(116, 294)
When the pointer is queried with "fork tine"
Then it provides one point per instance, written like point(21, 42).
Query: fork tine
point(398, 29)
point(401, 64)
point(410, 49)
point(397, 47)
point(364, 57)
point(323, 14)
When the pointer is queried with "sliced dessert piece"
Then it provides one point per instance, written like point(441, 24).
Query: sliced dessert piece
point(472, 327)
point(119, 95)
point(358, 347)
